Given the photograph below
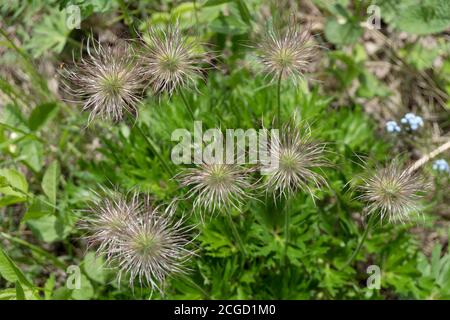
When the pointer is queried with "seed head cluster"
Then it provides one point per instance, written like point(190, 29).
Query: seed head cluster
point(145, 242)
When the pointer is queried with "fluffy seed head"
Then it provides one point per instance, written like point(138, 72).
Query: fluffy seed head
point(107, 82)
point(392, 192)
point(298, 159)
point(107, 219)
point(145, 242)
point(153, 247)
point(287, 53)
point(172, 61)
point(214, 186)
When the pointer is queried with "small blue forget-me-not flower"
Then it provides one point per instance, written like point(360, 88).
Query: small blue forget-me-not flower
point(413, 121)
point(441, 165)
point(392, 126)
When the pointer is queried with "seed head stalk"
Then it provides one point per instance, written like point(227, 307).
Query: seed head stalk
point(236, 234)
point(279, 99)
point(186, 104)
point(369, 225)
point(415, 166)
point(153, 148)
point(287, 209)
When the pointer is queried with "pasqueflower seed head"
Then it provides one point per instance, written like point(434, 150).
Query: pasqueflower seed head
point(216, 186)
point(107, 82)
point(153, 247)
point(392, 192)
point(171, 60)
point(146, 243)
point(286, 53)
point(107, 218)
point(299, 158)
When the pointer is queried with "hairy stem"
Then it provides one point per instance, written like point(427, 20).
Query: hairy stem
point(236, 234)
point(193, 284)
point(279, 100)
point(416, 165)
point(152, 147)
point(361, 241)
point(183, 97)
point(287, 217)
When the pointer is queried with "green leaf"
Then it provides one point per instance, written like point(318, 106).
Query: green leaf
point(13, 184)
point(48, 228)
point(244, 12)
point(93, 267)
point(342, 33)
point(10, 271)
point(430, 16)
point(41, 115)
point(20, 295)
point(37, 209)
point(86, 290)
point(49, 287)
point(211, 3)
point(50, 181)
point(33, 154)
point(50, 34)
point(6, 269)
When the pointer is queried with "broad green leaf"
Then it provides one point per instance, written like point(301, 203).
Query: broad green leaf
point(10, 271)
point(13, 184)
point(86, 290)
point(6, 268)
point(342, 33)
point(38, 208)
point(93, 267)
point(33, 153)
point(48, 228)
point(41, 115)
point(50, 181)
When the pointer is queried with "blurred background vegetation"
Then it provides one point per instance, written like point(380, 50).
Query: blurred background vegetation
point(50, 161)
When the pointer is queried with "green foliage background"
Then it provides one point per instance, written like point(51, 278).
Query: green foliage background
point(50, 161)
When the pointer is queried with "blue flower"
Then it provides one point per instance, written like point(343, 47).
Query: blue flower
point(441, 165)
point(392, 126)
point(414, 122)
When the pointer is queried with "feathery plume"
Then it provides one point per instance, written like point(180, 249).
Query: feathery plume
point(172, 61)
point(286, 53)
point(393, 192)
point(215, 186)
point(108, 82)
point(298, 157)
point(107, 218)
point(145, 242)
